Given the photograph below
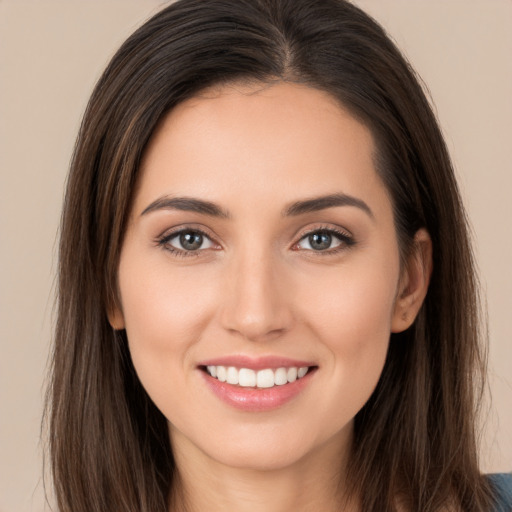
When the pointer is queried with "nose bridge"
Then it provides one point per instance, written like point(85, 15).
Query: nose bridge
point(257, 303)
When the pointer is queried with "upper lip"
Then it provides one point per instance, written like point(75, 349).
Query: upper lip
point(256, 363)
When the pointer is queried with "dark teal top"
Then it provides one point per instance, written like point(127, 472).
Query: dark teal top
point(502, 483)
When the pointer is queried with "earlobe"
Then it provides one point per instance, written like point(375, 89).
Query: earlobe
point(414, 283)
point(116, 318)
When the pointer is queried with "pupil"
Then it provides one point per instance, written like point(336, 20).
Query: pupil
point(191, 241)
point(319, 241)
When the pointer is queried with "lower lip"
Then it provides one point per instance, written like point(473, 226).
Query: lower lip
point(257, 399)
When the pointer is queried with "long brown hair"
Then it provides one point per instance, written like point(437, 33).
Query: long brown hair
point(415, 439)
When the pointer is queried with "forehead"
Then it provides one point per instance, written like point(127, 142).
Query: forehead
point(276, 141)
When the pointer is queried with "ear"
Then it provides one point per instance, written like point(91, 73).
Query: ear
point(115, 317)
point(414, 282)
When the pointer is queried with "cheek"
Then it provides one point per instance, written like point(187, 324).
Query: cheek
point(352, 301)
point(161, 300)
point(352, 315)
point(165, 312)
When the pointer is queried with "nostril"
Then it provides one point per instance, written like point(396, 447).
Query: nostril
point(255, 309)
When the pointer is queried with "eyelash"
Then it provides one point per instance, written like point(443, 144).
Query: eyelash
point(164, 240)
point(346, 240)
point(344, 237)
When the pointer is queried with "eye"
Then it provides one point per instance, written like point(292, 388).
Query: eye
point(325, 240)
point(186, 241)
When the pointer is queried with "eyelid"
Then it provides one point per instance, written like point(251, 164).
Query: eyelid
point(343, 235)
point(175, 236)
point(163, 240)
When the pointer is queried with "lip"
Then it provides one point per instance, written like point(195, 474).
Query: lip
point(256, 363)
point(256, 399)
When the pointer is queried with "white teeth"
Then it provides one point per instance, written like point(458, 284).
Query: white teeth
point(232, 375)
point(221, 373)
point(248, 378)
point(265, 379)
point(280, 377)
point(291, 375)
point(302, 371)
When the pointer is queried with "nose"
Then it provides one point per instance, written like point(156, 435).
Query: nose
point(257, 300)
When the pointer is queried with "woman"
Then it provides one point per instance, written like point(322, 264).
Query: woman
point(267, 298)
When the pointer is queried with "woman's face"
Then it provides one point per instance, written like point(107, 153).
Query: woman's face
point(261, 243)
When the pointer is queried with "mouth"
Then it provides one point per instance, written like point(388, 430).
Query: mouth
point(257, 385)
point(264, 378)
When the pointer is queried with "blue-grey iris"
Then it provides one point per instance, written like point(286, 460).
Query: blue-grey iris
point(191, 241)
point(320, 241)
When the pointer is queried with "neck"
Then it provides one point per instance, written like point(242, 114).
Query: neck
point(313, 483)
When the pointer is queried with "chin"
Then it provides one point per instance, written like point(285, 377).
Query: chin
point(270, 447)
point(256, 458)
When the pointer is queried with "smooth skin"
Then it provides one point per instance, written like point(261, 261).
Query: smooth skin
point(256, 284)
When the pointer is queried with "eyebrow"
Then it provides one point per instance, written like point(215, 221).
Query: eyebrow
point(323, 202)
point(187, 204)
point(314, 204)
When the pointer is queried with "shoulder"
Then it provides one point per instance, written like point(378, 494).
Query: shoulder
point(502, 487)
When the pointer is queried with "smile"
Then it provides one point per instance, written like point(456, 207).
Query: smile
point(258, 385)
point(264, 378)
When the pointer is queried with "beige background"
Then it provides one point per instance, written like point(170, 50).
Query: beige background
point(51, 53)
